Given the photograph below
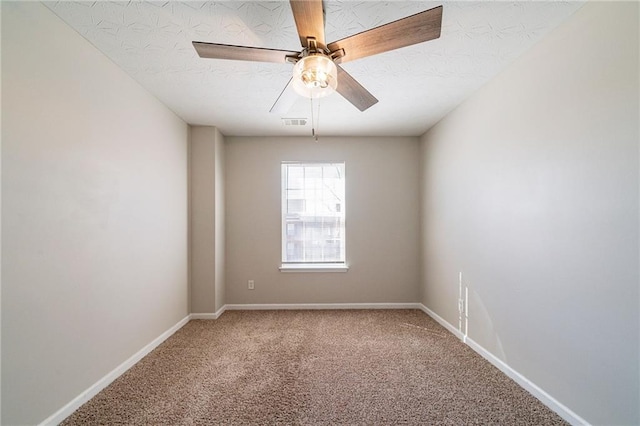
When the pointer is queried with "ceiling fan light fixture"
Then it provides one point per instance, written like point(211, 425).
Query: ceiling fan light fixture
point(315, 76)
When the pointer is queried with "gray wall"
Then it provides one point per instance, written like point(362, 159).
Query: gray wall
point(530, 188)
point(94, 217)
point(381, 218)
point(206, 219)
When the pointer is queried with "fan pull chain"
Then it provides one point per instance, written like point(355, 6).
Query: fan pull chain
point(313, 124)
point(318, 118)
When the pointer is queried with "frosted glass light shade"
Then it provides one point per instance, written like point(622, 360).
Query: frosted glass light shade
point(315, 76)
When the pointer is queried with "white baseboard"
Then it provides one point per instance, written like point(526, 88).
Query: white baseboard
point(212, 316)
point(527, 384)
point(299, 306)
point(442, 322)
point(93, 390)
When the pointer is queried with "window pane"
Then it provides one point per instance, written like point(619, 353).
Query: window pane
point(295, 177)
point(313, 212)
point(295, 206)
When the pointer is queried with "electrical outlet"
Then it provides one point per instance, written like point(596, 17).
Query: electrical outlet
point(251, 285)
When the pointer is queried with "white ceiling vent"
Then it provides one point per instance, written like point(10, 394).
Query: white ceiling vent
point(294, 121)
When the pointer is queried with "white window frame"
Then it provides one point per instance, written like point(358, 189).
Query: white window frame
point(337, 266)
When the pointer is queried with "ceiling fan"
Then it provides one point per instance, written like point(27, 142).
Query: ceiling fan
point(317, 72)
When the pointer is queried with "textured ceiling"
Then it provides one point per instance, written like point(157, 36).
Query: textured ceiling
point(416, 86)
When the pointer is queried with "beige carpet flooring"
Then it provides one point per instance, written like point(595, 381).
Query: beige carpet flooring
point(345, 367)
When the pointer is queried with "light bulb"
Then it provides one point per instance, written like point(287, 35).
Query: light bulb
point(315, 76)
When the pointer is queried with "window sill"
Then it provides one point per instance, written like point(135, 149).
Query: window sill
point(314, 267)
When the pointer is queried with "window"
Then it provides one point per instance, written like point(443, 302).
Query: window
point(313, 216)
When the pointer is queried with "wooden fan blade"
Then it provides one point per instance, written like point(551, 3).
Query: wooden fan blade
point(423, 26)
point(309, 20)
point(353, 91)
point(241, 53)
point(286, 100)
